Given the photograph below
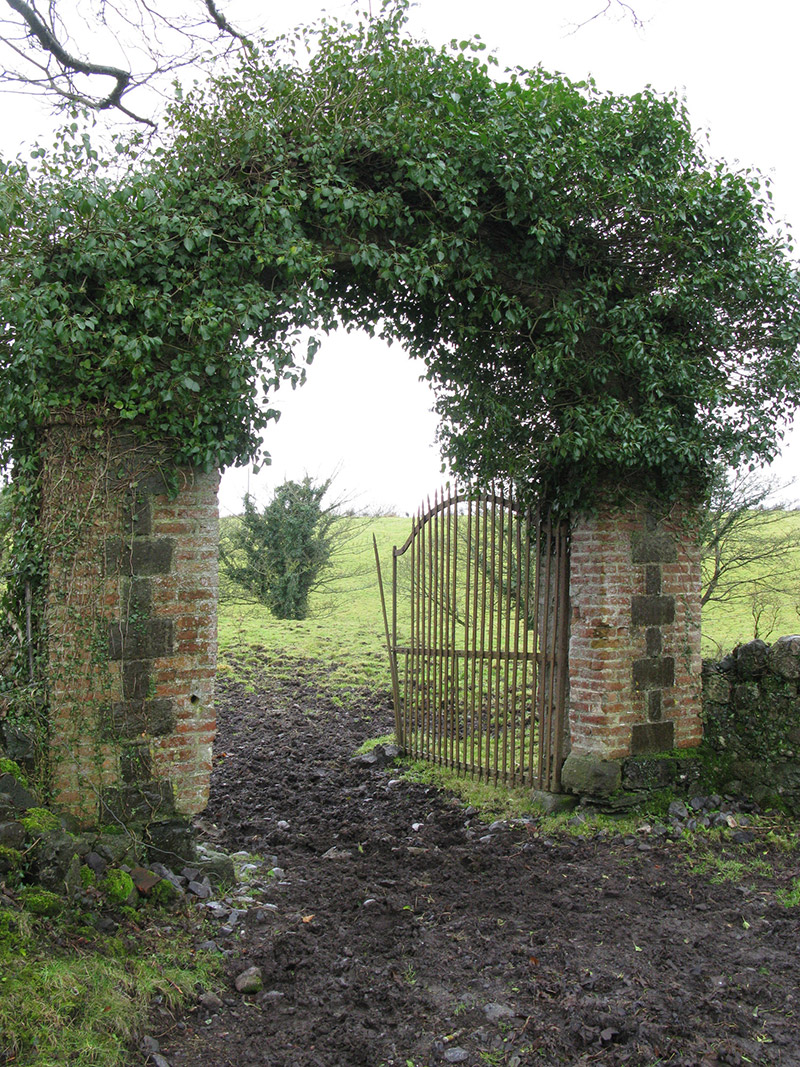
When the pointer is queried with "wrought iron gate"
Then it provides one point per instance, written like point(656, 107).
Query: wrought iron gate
point(479, 637)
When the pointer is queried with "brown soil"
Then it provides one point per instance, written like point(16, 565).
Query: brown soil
point(434, 940)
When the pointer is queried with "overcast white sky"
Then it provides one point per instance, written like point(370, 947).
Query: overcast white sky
point(363, 410)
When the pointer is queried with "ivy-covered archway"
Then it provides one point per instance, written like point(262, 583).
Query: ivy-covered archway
point(603, 310)
point(594, 298)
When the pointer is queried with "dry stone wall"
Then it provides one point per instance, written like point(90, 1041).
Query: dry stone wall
point(751, 711)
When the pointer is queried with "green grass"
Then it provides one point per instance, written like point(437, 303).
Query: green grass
point(790, 898)
point(493, 801)
point(68, 995)
point(373, 742)
point(346, 631)
point(729, 868)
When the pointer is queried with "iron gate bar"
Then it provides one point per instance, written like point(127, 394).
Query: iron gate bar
point(398, 722)
point(541, 689)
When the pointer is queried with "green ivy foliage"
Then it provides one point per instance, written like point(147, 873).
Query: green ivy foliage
point(599, 305)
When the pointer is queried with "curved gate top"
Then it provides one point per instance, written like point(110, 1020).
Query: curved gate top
point(479, 638)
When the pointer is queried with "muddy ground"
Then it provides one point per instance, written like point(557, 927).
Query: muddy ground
point(403, 932)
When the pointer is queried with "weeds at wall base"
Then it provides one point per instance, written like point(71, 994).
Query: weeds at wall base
point(71, 995)
point(772, 831)
point(79, 966)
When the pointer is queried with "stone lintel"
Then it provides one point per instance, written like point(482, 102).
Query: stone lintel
point(653, 673)
point(136, 595)
point(141, 557)
point(653, 640)
point(132, 718)
point(136, 764)
point(649, 737)
point(654, 705)
point(652, 579)
point(136, 679)
point(652, 610)
point(142, 639)
point(138, 514)
point(653, 546)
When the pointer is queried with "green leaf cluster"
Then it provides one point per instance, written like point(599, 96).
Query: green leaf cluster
point(598, 304)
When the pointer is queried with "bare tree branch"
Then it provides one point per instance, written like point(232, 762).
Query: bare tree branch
point(224, 25)
point(68, 49)
point(50, 44)
point(62, 49)
point(625, 10)
point(749, 547)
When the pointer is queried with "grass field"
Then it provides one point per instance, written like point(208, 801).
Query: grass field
point(346, 630)
point(766, 614)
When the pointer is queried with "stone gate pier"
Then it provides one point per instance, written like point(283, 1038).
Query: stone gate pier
point(634, 648)
point(131, 618)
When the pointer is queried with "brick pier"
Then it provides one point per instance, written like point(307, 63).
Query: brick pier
point(634, 653)
point(132, 628)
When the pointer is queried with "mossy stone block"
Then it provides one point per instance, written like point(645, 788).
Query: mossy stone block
point(552, 803)
point(12, 834)
point(648, 772)
point(590, 775)
point(652, 610)
point(169, 838)
point(716, 688)
point(784, 657)
point(140, 804)
point(752, 659)
point(650, 737)
point(21, 798)
point(10, 859)
point(41, 901)
point(119, 888)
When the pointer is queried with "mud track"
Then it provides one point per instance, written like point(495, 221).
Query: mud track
point(426, 938)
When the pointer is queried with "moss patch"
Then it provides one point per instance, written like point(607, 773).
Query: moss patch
point(10, 766)
point(119, 888)
point(10, 860)
point(70, 995)
point(40, 821)
point(41, 901)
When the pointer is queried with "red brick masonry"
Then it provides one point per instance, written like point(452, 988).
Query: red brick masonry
point(132, 617)
point(634, 649)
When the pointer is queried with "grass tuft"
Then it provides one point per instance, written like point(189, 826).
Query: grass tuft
point(790, 898)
